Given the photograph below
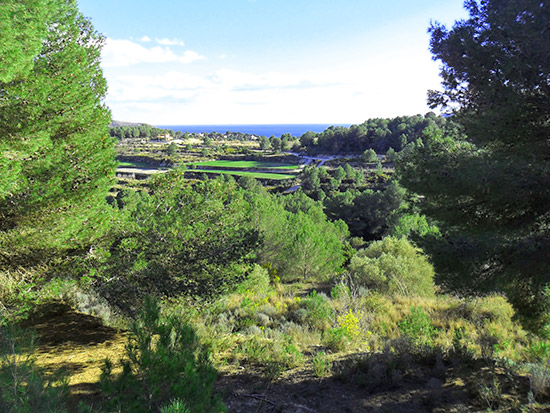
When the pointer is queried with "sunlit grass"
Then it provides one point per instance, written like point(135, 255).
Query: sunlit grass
point(259, 175)
point(247, 164)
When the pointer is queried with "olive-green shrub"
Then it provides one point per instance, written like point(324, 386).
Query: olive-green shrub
point(393, 265)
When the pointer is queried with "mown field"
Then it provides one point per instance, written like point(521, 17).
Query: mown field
point(247, 164)
point(137, 165)
point(258, 175)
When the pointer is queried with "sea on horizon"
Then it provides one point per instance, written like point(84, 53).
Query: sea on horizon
point(259, 130)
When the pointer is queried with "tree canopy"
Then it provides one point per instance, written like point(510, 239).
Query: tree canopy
point(377, 134)
point(182, 238)
point(56, 156)
point(22, 28)
point(490, 189)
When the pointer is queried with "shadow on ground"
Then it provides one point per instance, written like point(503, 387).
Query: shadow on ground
point(57, 324)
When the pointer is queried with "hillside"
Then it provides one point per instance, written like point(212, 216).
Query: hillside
point(400, 264)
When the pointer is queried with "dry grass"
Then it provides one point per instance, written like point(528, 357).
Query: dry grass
point(75, 342)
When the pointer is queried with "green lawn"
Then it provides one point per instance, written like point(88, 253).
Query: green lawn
point(138, 165)
point(247, 164)
point(231, 164)
point(259, 175)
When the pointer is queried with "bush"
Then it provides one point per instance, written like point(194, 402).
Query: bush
point(369, 156)
point(274, 355)
point(391, 266)
point(172, 149)
point(318, 312)
point(176, 406)
point(23, 386)
point(336, 339)
point(164, 361)
point(418, 327)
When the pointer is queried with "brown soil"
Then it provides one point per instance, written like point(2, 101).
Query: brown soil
point(302, 392)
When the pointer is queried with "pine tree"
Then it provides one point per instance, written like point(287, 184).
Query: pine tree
point(56, 156)
point(490, 192)
point(22, 28)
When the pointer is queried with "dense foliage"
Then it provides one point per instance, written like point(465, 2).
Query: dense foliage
point(377, 134)
point(367, 213)
point(142, 131)
point(56, 157)
point(297, 239)
point(24, 387)
point(393, 265)
point(181, 238)
point(491, 191)
point(22, 28)
point(214, 273)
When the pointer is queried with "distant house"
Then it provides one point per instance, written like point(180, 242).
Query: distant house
point(166, 137)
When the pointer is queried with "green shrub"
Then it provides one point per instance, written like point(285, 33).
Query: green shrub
point(24, 388)
point(340, 291)
point(274, 356)
point(176, 406)
point(172, 149)
point(391, 266)
point(494, 308)
point(336, 339)
point(258, 281)
point(369, 156)
point(318, 312)
point(538, 351)
point(164, 361)
point(418, 327)
point(321, 366)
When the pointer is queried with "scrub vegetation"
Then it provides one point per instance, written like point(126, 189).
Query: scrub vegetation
point(406, 271)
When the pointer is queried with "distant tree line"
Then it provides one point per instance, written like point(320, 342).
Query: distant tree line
point(142, 131)
point(378, 134)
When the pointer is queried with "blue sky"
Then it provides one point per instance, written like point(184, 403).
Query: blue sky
point(267, 61)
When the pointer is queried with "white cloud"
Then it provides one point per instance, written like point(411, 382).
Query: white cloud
point(240, 81)
point(147, 88)
point(378, 86)
point(190, 56)
point(145, 39)
point(118, 53)
point(170, 42)
point(222, 56)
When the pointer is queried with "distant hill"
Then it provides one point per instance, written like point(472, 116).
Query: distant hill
point(115, 123)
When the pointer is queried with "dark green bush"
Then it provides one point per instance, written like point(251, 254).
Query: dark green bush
point(318, 312)
point(165, 362)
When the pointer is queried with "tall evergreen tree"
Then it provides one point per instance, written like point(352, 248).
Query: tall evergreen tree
point(490, 191)
point(22, 28)
point(56, 156)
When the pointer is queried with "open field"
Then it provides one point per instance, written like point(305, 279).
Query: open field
point(140, 165)
point(247, 164)
point(258, 175)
